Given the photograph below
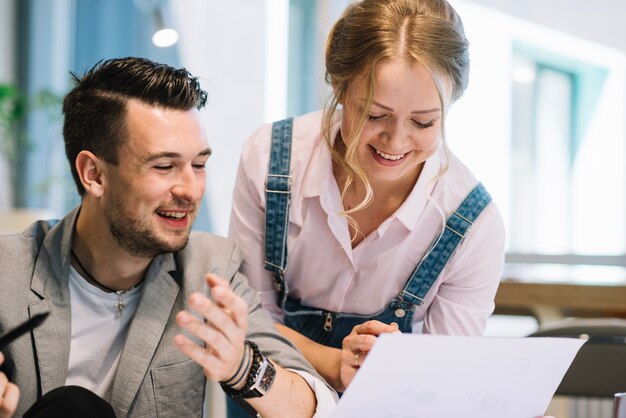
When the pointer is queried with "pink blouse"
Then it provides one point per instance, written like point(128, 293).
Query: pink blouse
point(324, 271)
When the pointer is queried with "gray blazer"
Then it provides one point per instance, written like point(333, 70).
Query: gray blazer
point(153, 378)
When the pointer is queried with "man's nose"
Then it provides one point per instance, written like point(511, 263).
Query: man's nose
point(190, 185)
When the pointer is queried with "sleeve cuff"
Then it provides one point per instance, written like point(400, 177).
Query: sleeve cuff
point(326, 397)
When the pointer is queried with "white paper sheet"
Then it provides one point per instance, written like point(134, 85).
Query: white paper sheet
point(426, 376)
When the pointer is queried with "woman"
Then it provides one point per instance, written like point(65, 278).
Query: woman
point(372, 186)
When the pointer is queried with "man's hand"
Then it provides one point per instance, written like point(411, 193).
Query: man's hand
point(9, 395)
point(223, 330)
point(356, 346)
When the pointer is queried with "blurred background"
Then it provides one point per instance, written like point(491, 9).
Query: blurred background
point(542, 124)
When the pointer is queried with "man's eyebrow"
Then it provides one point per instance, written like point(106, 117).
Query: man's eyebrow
point(168, 154)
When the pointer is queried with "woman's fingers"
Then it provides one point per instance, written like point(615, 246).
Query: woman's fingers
point(357, 345)
point(374, 327)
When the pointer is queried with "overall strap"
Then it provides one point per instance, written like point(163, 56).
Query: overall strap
point(278, 197)
point(457, 227)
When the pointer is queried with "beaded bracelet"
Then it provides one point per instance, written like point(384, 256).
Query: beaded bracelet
point(245, 360)
point(257, 359)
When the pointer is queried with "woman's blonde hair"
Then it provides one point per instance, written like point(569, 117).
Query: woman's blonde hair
point(429, 32)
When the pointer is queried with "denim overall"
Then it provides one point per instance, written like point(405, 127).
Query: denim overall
point(330, 328)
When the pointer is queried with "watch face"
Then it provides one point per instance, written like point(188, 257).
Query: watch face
point(268, 377)
point(264, 379)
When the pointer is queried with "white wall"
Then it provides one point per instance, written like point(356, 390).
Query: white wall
point(224, 43)
point(600, 21)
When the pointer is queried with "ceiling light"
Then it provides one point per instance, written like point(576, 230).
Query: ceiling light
point(164, 35)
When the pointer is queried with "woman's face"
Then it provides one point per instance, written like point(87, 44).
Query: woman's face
point(403, 126)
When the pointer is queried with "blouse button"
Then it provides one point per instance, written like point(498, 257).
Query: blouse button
point(400, 313)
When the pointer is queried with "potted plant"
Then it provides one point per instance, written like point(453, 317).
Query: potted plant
point(14, 108)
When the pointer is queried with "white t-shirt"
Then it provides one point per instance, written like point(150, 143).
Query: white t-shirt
point(98, 334)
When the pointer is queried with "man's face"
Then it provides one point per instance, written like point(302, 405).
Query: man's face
point(152, 196)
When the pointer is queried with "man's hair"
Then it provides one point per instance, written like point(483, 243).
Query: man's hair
point(95, 109)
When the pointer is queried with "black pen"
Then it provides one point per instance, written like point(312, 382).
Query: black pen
point(12, 334)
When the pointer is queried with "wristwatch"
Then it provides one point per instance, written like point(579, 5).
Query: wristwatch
point(260, 379)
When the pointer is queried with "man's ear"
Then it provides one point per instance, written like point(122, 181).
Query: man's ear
point(91, 172)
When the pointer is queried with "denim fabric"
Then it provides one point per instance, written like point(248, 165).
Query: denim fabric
point(457, 227)
point(235, 410)
point(278, 197)
point(330, 328)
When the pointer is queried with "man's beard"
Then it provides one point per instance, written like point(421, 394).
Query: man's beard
point(138, 236)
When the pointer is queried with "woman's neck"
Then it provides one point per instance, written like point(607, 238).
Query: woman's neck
point(390, 194)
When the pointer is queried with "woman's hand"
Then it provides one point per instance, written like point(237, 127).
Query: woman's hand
point(9, 395)
point(356, 346)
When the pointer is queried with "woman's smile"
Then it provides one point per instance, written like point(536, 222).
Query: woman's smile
point(388, 159)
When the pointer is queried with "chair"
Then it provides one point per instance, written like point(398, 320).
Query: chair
point(599, 368)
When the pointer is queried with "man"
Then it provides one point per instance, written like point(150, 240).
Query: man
point(134, 316)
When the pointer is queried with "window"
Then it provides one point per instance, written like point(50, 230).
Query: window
point(542, 124)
